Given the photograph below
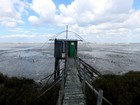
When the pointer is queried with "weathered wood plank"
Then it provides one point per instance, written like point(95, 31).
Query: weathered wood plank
point(73, 94)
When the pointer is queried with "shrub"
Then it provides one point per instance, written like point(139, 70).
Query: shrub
point(22, 91)
point(2, 78)
point(120, 90)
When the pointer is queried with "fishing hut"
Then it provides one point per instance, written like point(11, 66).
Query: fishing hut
point(63, 49)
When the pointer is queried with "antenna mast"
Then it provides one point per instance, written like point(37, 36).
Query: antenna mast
point(67, 32)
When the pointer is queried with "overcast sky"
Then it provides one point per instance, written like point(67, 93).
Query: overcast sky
point(100, 21)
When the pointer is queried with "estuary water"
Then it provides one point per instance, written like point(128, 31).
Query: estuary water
point(36, 61)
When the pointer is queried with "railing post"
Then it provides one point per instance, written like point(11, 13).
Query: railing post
point(78, 62)
point(83, 82)
point(61, 93)
point(59, 98)
point(100, 97)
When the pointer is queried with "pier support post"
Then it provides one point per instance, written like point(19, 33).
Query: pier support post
point(57, 69)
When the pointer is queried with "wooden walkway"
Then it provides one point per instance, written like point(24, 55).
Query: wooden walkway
point(73, 94)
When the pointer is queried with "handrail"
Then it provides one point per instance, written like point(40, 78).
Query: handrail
point(50, 75)
point(93, 89)
point(51, 86)
point(91, 73)
point(52, 83)
point(84, 71)
point(90, 67)
point(61, 92)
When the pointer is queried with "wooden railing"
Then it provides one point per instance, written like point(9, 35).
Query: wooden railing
point(87, 75)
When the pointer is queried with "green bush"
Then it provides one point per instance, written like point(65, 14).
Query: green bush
point(2, 78)
point(119, 89)
point(15, 82)
point(22, 91)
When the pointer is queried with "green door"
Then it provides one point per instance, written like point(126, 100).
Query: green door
point(72, 49)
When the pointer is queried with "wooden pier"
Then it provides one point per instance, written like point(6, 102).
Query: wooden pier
point(73, 94)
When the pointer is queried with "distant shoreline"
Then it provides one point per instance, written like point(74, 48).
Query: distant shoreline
point(79, 43)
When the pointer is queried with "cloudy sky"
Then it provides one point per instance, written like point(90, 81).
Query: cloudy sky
point(101, 21)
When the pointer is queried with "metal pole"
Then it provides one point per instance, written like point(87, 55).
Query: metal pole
point(67, 32)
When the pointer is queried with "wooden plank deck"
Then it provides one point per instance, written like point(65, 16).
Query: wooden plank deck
point(73, 94)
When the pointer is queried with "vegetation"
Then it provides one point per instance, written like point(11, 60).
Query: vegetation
point(118, 89)
point(22, 91)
